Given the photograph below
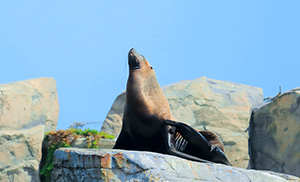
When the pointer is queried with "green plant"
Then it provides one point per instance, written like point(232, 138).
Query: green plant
point(65, 138)
point(49, 165)
point(106, 136)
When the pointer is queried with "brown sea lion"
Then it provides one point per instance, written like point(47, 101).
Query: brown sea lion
point(148, 124)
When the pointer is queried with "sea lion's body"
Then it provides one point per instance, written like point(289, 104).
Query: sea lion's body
point(148, 124)
point(145, 109)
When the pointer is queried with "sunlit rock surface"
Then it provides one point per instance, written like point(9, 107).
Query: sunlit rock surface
point(29, 103)
point(28, 109)
point(73, 164)
point(274, 142)
point(20, 154)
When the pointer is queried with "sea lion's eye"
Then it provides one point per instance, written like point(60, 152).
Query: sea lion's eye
point(151, 67)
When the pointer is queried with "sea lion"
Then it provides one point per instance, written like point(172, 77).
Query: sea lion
point(148, 124)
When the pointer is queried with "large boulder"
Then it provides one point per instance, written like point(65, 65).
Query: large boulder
point(20, 154)
point(28, 109)
point(29, 103)
point(274, 142)
point(71, 164)
point(206, 104)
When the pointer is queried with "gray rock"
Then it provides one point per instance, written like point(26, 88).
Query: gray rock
point(29, 103)
point(71, 164)
point(28, 109)
point(274, 135)
point(81, 142)
point(20, 154)
point(106, 143)
point(206, 104)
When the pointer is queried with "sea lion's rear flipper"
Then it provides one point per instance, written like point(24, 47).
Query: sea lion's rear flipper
point(189, 133)
point(169, 140)
point(124, 141)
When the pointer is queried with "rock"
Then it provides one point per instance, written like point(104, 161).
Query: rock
point(274, 141)
point(71, 164)
point(206, 104)
point(20, 154)
point(28, 109)
point(29, 103)
point(106, 143)
point(81, 142)
point(113, 121)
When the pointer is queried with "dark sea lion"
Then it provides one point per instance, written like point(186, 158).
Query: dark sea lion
point(148, 124)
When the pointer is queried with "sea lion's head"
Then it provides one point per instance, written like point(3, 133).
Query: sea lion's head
point(138, 62)
point(143, 91)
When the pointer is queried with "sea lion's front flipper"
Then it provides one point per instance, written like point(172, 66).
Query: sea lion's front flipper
point(124, 141)
point(189, 133)
point(201, 141)
point(169, 140)
point(219, 156)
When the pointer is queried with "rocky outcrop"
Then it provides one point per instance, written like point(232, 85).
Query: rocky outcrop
point(28, 109)
point(20, 154)
point(206, 104)
point(76, 165)
point(274, 141)
point(29, 103)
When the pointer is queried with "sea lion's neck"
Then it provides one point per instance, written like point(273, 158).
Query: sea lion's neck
point(141, 90)
point(145, 94)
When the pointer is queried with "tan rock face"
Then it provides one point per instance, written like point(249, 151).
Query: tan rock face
point(20, 154)
point(29, 103)
point(28, 109)
point(206, 104)
point(275, 135)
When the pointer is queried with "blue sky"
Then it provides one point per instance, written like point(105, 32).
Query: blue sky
point(84, 46)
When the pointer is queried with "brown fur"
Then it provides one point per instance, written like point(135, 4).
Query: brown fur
point(145, 112)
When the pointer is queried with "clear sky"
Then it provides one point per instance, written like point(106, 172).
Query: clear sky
point(83, 45)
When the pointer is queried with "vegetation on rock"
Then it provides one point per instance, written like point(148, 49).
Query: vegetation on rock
point(65, 138)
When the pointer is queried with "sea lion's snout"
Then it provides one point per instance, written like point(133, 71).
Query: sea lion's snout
point(134, 59)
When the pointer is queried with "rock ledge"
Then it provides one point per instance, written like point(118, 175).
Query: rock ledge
point(74, 164)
